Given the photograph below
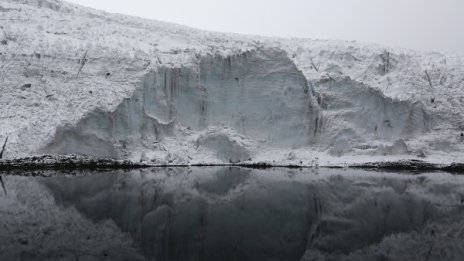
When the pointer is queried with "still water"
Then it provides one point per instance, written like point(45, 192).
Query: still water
point(232, 214)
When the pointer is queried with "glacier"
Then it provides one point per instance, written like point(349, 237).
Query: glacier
point(80, 81)
point(276, 106)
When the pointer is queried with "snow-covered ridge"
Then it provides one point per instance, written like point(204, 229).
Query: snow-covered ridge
point(78, 80)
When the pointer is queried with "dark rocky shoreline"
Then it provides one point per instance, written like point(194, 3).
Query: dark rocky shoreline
point(67, 162)
point(78, 162)
point(411, 165)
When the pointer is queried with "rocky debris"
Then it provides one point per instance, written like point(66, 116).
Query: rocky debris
point(411, 165)
point(26, 86)
point(50, 165)
point(66, 162)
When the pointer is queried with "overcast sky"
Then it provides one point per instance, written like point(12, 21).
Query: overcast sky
point(419, 24)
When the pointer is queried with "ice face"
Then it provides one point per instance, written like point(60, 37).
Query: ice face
point(259, 95)
point(235, 214)
point(228, 109)
point(355, 113)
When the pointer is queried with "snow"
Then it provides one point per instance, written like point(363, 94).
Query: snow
point(82, 81)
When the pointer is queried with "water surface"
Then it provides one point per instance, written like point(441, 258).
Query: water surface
point(232, 214)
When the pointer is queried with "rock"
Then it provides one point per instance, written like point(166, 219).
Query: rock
point(26, 86)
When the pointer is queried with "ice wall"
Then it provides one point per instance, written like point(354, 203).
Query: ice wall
point(358, 116)
point(110, 134)
point(235, 107)
point(260, 95)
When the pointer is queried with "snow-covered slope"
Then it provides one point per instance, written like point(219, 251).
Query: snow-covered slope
point(77, 80)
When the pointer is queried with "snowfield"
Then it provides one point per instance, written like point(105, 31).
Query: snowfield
point(80, 81)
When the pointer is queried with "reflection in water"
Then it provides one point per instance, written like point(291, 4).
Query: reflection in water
point(233, 214)
point(3, 185)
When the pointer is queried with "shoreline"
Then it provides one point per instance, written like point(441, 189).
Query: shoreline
point(77, 162)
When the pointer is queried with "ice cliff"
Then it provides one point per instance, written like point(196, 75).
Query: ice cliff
point(259, 95)
point(81, 81)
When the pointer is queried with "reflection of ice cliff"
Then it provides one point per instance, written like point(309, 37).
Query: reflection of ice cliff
point(238, 214)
